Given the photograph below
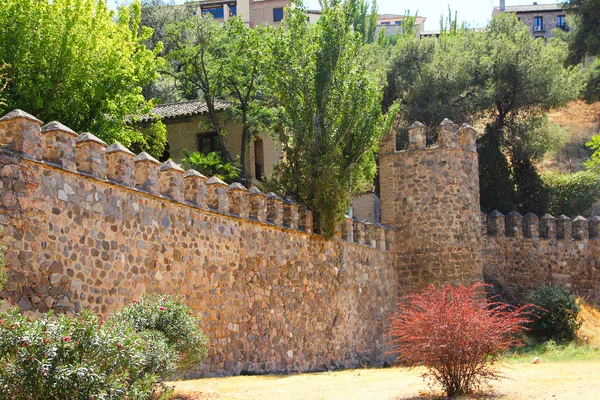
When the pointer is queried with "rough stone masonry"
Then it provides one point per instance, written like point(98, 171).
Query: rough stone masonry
point(86, 225)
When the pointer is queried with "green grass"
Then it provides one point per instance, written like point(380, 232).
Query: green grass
point(553, 352)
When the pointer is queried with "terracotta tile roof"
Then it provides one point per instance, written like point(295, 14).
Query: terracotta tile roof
point(183, 109)
point(533, 8)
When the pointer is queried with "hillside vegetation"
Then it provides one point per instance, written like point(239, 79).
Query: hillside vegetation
point(579, 121)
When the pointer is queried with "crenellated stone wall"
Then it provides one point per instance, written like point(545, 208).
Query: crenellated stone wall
point(521, 253)
point(430, 196)
point(86, 225)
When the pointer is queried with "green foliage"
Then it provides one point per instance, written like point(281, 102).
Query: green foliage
point(591, 90)
point(363, 15)
point(169, 323)
point(330, 109)
point(70, 358)
point(586, 37)
point(502, 76)
point(197, 61)
point(76, 62)
point(572, 194)
point(242, 81)
point(211, 164)
point(80, 357)
point(558, 317)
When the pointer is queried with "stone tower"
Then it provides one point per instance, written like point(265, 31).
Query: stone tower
point(430, 196)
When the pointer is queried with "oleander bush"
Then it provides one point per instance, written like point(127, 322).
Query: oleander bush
point(82, 357)
point(557, 314)
point(457, 334)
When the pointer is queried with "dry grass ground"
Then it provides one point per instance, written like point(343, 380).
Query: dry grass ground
point(580, 121)
point(578, 380)
point(571, 373)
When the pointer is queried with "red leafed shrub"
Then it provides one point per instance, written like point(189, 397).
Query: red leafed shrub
point(456, 333)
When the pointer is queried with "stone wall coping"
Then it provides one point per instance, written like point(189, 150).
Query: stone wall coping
point(237, 187)
point(145, 157)
point(56, 126)
point(118, 147)
point(545, 227)
point(216, 181)
point(88, 137)
point(193, 173)
point(170, 165)
point(20, 114)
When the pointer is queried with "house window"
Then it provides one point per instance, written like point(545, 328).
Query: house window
point(398, 22)
point(232, 10)
point(216, 12)
point(208, 142)
point(277, 14)
point(386, 23)
point(560, 21)
point(538, 24)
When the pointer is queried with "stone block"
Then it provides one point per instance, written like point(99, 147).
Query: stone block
point(239, 201)
point(120, 165)
point(258, 205)
point(467, 137)
point(171, 181)
point(290, 214)
point(580, 228)
point(531, 226)
point(563, 228)
point(514, 225)
point(147, 170)
point(447, 134)
point(496, 223)
point(359, 232)
point(21, 132)
point(548, 227)
point(306, 220)
point(348, 229)
point(274, 209)
point(59, 145)
point(91, 155)
point(218, 197)
point(416, 136)
point(195, 188)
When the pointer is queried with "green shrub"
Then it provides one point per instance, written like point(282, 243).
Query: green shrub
point(70, 358)
point(169, 323)
point(572, 194)
point(211, 164)
point(558, 317)
point(80, 357)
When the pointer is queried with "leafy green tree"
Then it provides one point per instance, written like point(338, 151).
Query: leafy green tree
point(502, 76)
point(76, 62)
point(241, 80)
point(586, 38)
point(518, 79)
point(363, 15)
point(197, 58)
point(330, 108)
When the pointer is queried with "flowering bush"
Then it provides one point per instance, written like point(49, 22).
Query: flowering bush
point(456, 334)
point(168, 320)
point(70, 358)
point(80, 357)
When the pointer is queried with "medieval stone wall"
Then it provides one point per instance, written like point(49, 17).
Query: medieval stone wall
point(87, 225)
point(523, 253)
point(430, 196)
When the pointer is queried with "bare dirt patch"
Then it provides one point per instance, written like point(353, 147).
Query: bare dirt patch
point(575, 380)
